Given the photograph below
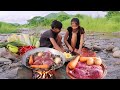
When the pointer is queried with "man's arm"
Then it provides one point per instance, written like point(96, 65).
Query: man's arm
point(55, 45)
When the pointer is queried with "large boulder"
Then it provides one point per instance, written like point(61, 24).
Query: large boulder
point(109, 47)
point(116, 54)
point(96, 48)
point(24, 73)
point(8, 55)
point(115, 49)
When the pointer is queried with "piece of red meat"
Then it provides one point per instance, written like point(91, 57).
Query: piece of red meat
point(96, 73)
point(37, 62)
point(78, 73)
point(82, 65)
point(96, 66)
point(38, 58)
point(47, 54)
point(48, 61)
point(83, 71)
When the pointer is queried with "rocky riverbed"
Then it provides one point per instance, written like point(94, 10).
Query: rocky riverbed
point(106, 46)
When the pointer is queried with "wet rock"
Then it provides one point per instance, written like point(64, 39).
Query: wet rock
point(109, 47)
point(24, 73)
point(11, 56)
point(5, 61)
point(59, 74)
point(118, 77)
point(115, 49)
point(15, 64)
point(1, 70)
point(9, 74)
point(2, 50)
point(96, 48)
point(116, 54)
point(5, 67)
point(3, 78)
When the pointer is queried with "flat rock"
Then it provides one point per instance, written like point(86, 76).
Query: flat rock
point(110, 47)
point(9, 74)
point(5, 67)
point(24, 73)
point(15, 64)
point(5, 61)
point(115, 49)
point(116, 54)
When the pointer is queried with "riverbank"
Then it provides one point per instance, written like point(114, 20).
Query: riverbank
point(10, 70)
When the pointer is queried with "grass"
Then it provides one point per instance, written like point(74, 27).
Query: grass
point(90, 25)
point(7, 28)
point(96, 25)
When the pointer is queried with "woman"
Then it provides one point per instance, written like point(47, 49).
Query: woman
point(74, 37)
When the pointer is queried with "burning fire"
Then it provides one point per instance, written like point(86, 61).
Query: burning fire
point(43, 74)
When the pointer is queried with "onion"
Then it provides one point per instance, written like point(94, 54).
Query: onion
point(40, 54)
point(57, 60)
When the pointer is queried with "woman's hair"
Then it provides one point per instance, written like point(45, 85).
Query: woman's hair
point(56, 24)
point(76, 20)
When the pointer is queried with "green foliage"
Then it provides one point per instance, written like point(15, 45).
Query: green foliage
point(55, 15)
point(110, 23)
point(7, 28)
point(79, 16)
point(63, 17)
point(112, 13)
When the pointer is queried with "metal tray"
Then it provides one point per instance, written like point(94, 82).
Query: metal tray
point(44, 49)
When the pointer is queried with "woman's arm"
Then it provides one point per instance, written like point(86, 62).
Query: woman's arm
point(55, 45)
point(66, 42)
point(81, 42)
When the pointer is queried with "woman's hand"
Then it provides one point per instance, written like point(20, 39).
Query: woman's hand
point(70, 48)
point(77, 51)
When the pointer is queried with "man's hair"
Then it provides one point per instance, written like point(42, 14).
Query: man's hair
point(76, 20)
point(56, 24)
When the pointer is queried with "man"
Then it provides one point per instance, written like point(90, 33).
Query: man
point(51, 38)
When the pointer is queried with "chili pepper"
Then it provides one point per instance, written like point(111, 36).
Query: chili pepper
point(24, 49)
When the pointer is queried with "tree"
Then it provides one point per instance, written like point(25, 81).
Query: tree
point(112, 13)
point(79, 16)
point(36, 20)
point(62, 17)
